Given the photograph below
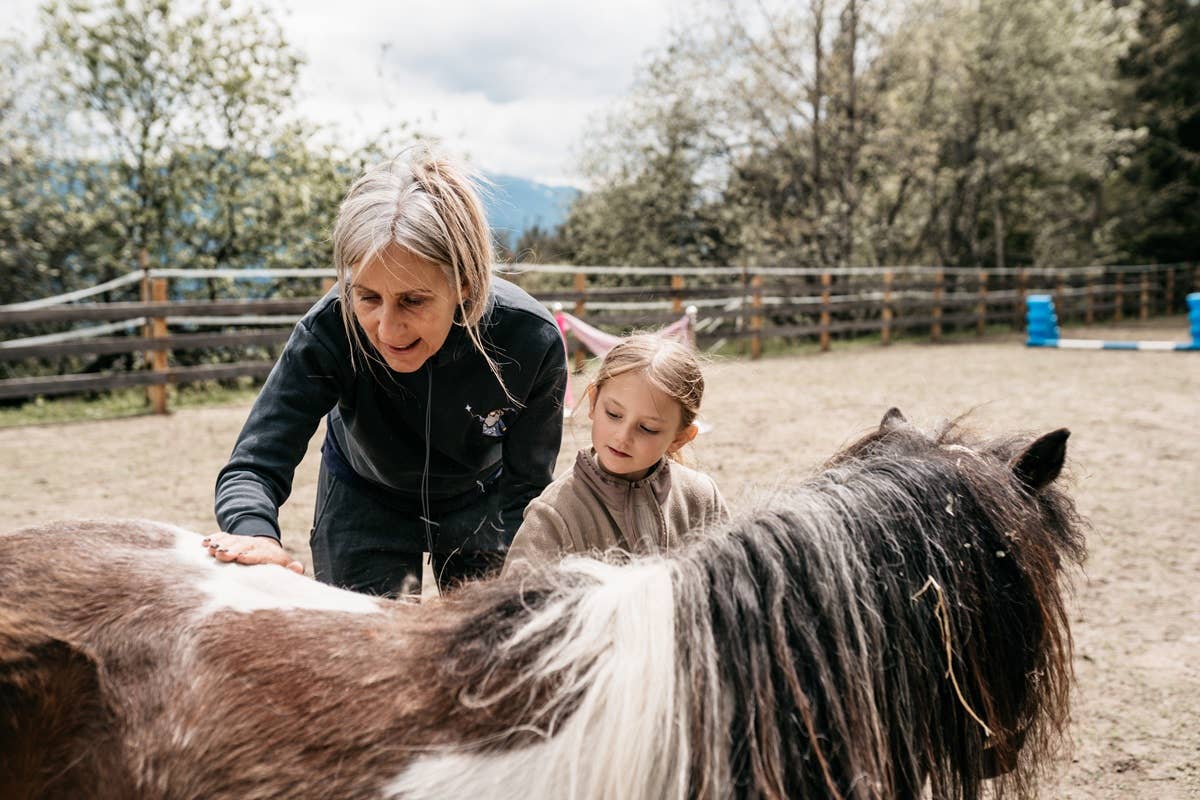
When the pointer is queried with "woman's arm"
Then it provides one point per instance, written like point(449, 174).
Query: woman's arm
point(532, 441)
point(302, 387)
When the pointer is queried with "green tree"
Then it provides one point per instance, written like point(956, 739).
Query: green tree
point(650, 204)
point(1160, 200)
point(185, 106)
point(840, 132)
point(757, 115)
point(1003, 113)
point(53, 211)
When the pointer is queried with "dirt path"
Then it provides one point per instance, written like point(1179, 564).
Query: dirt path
point(1135, 457)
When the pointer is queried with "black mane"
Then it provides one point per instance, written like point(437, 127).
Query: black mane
point(825, 607)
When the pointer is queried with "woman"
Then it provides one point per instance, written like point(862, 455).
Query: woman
point(441, 386)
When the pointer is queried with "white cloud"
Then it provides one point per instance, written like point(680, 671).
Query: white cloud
point(512, 83)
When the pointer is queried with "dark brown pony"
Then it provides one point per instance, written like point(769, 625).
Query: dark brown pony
point(891, 625)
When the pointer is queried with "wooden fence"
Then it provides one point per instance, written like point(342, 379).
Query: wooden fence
point(746, 307)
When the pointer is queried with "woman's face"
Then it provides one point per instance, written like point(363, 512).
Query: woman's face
point(404, 305)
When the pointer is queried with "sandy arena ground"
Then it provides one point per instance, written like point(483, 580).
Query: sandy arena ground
point(1134, 455)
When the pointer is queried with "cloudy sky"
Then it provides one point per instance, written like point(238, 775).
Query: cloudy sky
point(512, 83)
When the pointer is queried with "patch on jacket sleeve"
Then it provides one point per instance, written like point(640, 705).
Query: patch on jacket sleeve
point(493, 423)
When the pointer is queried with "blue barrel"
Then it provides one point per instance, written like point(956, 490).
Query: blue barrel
point(1193, 303)
point(1041, 323)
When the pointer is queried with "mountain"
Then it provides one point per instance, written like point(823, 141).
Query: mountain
point(516, 204)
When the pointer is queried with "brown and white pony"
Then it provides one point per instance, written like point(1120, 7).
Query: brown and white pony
point(893, 624)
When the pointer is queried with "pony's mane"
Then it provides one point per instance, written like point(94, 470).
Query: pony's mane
point(845, 575)
point(800, 650)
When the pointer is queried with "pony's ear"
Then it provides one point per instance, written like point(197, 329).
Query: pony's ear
point(52, 705)
point(1041, 462)
point(892, 419)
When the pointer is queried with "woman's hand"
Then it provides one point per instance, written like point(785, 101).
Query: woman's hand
point(250, 550)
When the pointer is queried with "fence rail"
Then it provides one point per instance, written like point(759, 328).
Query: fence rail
point(742, 306)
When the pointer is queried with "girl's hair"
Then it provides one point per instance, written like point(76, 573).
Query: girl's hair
point(428, 204)
point(670, 365)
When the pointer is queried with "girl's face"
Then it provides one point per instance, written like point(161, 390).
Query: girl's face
point(634, 424)
point(404, 305)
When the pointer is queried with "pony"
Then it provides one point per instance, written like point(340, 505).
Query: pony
point(891, 626)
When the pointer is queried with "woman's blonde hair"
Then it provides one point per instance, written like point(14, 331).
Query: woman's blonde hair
point(426, 203)
point(670, 365)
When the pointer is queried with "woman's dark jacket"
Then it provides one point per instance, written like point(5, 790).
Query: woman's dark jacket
point(378, 418)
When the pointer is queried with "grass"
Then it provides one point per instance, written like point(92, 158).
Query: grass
point(122, 403)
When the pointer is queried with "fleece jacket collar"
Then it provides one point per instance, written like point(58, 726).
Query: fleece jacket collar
point(613, 489)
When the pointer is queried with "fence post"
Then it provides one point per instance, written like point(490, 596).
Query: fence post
point(981, 308)
point(581, 285)
point(1119, 306)
point(885, 333)
point(1022, 290)
point(1089, 307)
point(756, 320)
point(676, 294)
point(1169, 291)
point(1144, 297)
point(156, 327)
point(740, 320)
point(935, 330)
point(826, 282)
point(1059, 292)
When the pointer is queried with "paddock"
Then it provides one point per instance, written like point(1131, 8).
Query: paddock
point(1133, 455)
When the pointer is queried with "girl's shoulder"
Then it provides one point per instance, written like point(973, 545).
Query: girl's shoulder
point(689, 477)
point(697, 496)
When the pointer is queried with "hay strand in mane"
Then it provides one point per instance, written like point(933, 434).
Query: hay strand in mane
point(944, 620)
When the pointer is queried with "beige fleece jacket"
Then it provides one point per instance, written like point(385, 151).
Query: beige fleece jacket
point(589, 509)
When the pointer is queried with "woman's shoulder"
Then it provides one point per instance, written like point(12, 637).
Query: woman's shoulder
point(319, 336)
point(513, 306)
point(324, 320)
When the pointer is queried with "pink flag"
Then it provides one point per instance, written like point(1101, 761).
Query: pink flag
point(599, 343)
point(568, 400)
point(594, 339)
point(679, 329)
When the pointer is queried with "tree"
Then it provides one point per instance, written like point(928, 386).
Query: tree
point(53, 217)
point(752, 124)
point(1160, 198)
point(185, 107)
point(165, 128)
point(1008, 130)
point(650, 204)
point(843, 132)
point(801, 109)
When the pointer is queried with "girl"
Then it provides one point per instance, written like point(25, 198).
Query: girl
point(441, 388)
point(625, 492)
